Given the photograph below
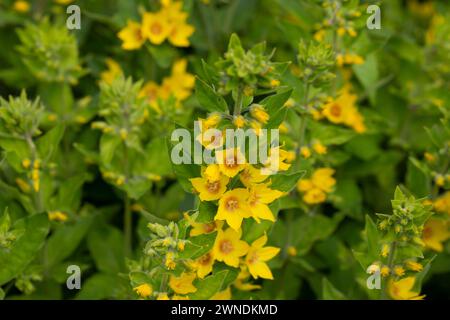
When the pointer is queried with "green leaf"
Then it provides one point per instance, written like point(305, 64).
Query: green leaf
point(49, 142)
point(108, 146)
point(274, 106)
point(100, 286)
point(207, 211)
point(2, 294)
point(329, 292)
point(198, 246)
point(24, 249)
point(65, 240)
point(230, 277)
point(209, 286)
point(285, 182)
point(106, 246)
point(208, 98)
point(367, 74)
point(373, 238)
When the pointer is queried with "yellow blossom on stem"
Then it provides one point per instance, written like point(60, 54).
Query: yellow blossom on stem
point(204, 265)
point(399, 271)
point(414, 266)
point(155, 27)
point(402, 289)
point(210, 190)
point(257, 257)
point(233, 207)
point(57, 216)
point(319, 147)
point(435, 233)
point(144, 290)
point(259, 198)
point(131, 36)
point(229, 248)
point(251, 175)
point(222, 295)
point(305, 152)
point(183, 283)
point(230, 161)
point(258, 112)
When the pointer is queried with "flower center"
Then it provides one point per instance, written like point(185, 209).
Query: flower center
point(156, 28)
point(209, 227)
point(213, 187)
point(231, 162)
point(336, 110)
point(427, 233)
point(232, 204)
point(205, 260)
point(253, 258)
point(226, 246)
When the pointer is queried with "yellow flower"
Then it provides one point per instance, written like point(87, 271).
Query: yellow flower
point(251, 175)
point(439, 180)
point(385, 249)
point(322, 179)
point(429, 157)
point(239, 121)
point(314, 196)
point(162, 296)
point(155, 27)
point(230, 161)
point(319, 35)
point(273, 164)
point(414, 266)
point(343, 111)
point(114, 70)
point(204, 265)
point(21, 6)
point(229, 248)
point(222, 295)
point(402, 289)
point(435, 232)
point(305, 152)
point(399, 271)
point(23, 186)
point(131, 36)
point(180, 33)
point(292, 251)
point(202, 228)
point(385, 271)
point(257, 111)
point(64, 2)
point(319, 148)
point(442, 204)
point(170, 260)
point(210, 190)
point(233, 207)
point(144, 290)
point(57, 216)
point(274, 83)
point(259, 198)
point(257, 257)
point(177, 297)
point(183, 283)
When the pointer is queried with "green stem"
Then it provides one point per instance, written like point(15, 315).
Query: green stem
point(127, 226)
point(384, 294)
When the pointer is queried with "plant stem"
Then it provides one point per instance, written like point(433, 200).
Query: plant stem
point(127, 226)
point(384, 295)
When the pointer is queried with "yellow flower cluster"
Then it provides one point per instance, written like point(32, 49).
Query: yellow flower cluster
point(403, 289)
point(316, 188)
point(57, 216)
point(179, 84)
point(170, 23)
point(33, 168)
point(348, 59)
point(316, 146)
point(344, 111)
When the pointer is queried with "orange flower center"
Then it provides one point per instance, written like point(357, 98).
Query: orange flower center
point(226, 246)
point(336, 110)
point(231, 162)
point(205, 260)
point(213, 187)
point(156, 28)
point(209, 227)
point(232, 204)
point(253, 258)
point(427, 233)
